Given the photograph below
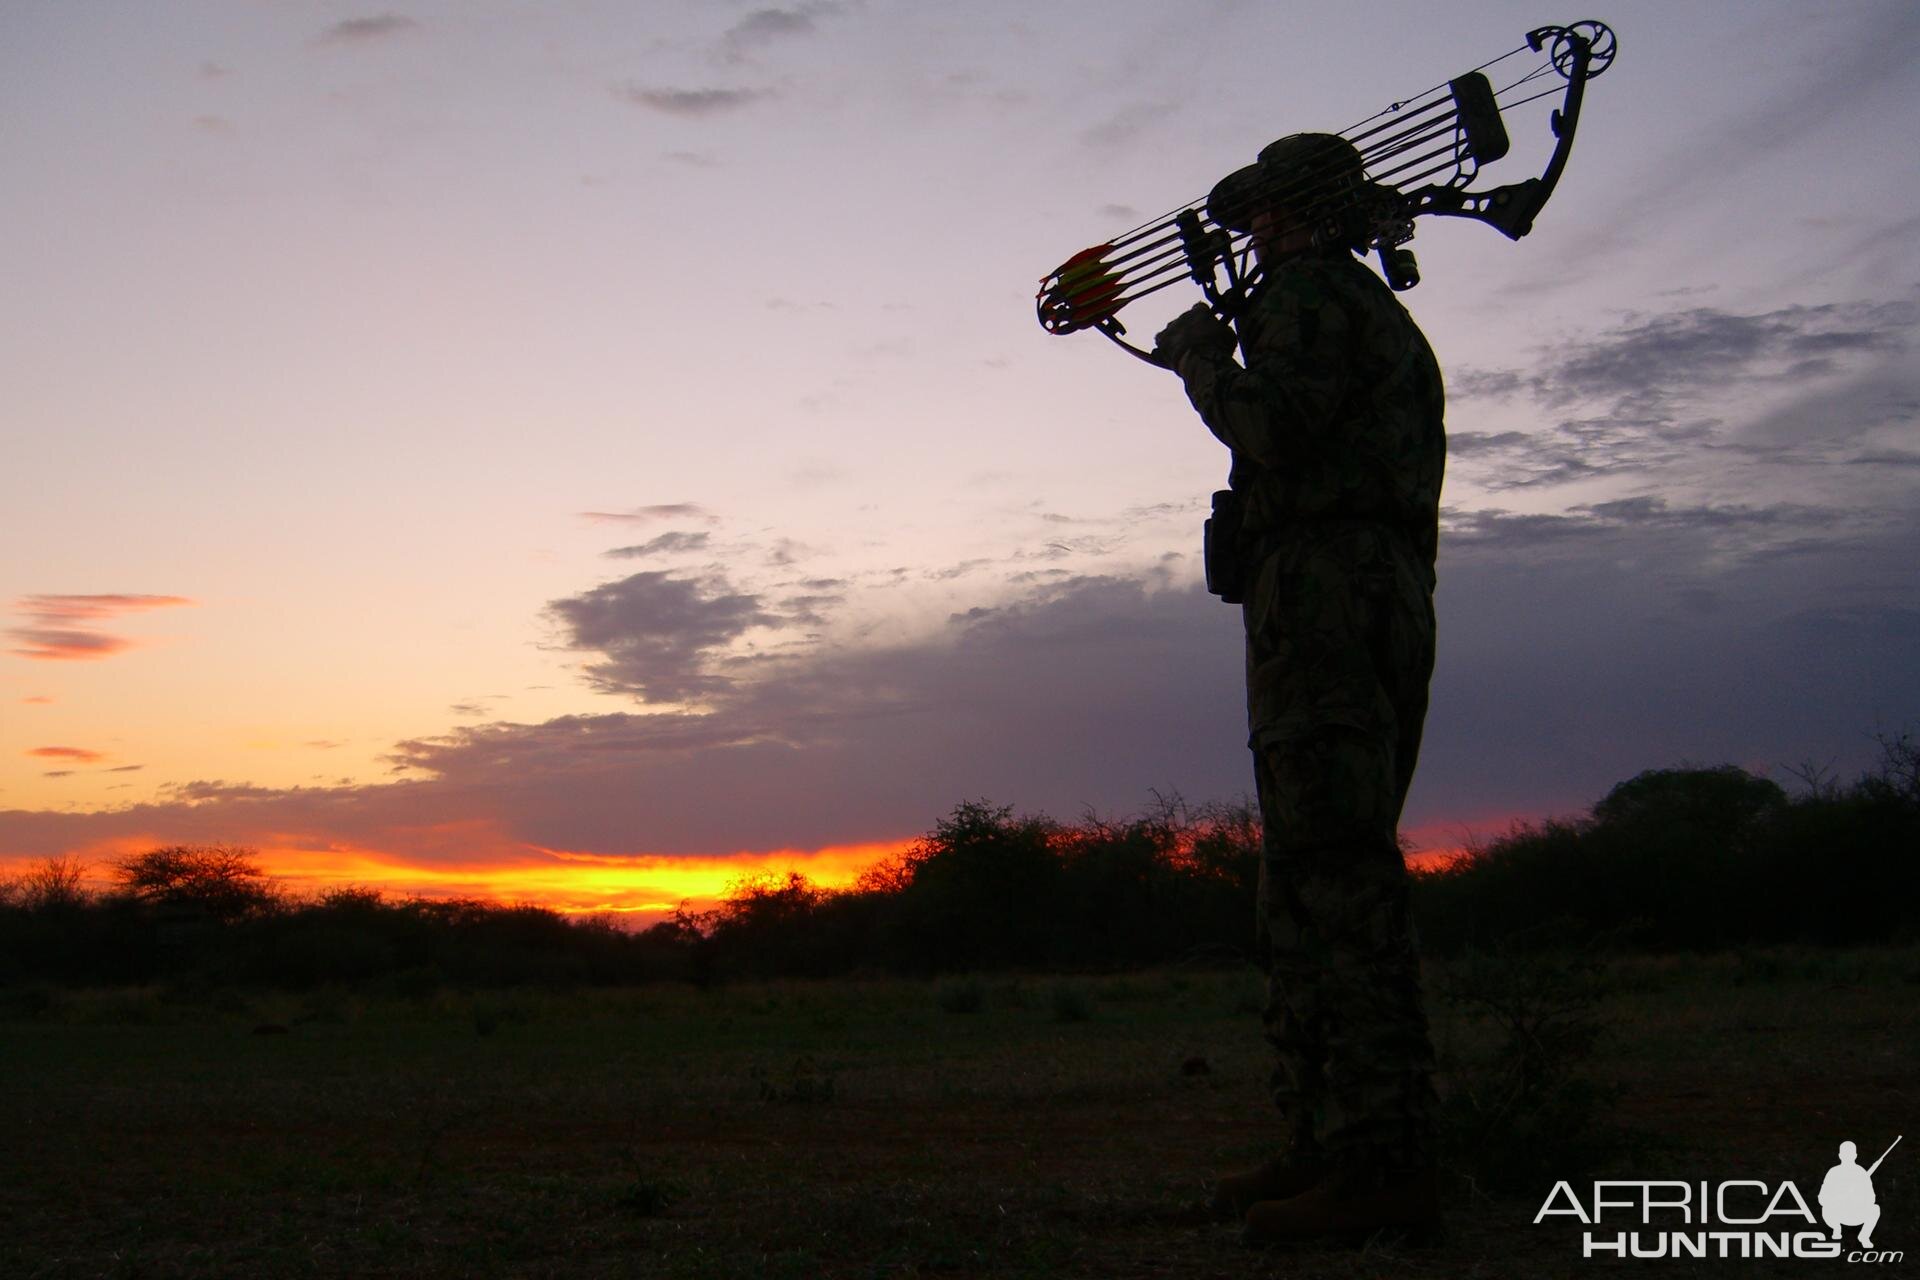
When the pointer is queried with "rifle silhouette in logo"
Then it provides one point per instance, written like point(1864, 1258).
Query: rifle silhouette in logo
point(1846, 1194)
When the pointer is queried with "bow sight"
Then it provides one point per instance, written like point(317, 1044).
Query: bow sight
point(1439, 138)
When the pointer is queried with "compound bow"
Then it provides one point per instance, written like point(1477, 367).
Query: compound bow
point(1452, 129)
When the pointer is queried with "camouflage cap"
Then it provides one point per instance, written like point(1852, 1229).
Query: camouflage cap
point(1319, 170)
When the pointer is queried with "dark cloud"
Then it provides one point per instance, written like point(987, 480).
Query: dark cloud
point(1646, 363)
point(763, 26)
point(482, 752)
point(811, 609)
point(62, 626)
point(77, 755)
point(1575, 650)
point(786, 553)
point(1581, 449)
point(77, 607)
point(1161, 511)
point(948, 573)
point(659, 635)
point(216, 791)
point(1043, 697)
point(1489, 384)
point(1659, 388)
point(127, 768)
point(1646, 360)
point(1886, 458)
point(1081, 693)
point(645, 515)
point(665, 544)
point(52, 644)
point(693, 103)
point(359, 31)
point(1464, 444)
point(1651, 530)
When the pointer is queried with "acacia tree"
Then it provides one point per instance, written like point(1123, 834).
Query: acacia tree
point(56, 883)
point(1899, 769)
point(223, 881)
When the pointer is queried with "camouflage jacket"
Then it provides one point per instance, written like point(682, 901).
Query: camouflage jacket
point(1336, 415)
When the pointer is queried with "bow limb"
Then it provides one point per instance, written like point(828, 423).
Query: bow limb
point(1114, 329)
point(1511, 209)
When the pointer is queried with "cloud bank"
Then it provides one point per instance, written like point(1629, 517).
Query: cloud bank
point(362, 31)
point(692, 103)
point(61, 628)
point(1573, 654)
point(1657, 391)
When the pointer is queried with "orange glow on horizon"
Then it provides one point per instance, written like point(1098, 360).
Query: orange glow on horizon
point(474, 859)
point(1443, 844)
point(570, 882)
point(1428, 861)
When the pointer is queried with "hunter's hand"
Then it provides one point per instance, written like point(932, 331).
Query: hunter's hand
point(1197, 329)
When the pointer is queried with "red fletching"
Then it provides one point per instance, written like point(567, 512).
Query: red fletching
point(1081, 292)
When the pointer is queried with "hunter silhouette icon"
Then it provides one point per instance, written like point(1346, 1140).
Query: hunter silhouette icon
point(1846, 1194)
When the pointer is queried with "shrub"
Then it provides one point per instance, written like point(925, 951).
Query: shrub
point(1524, 1109)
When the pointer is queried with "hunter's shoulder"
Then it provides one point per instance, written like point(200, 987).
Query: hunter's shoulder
point(1319, 281)
point(1304, 300)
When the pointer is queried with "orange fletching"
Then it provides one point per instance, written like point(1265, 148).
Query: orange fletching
point(1086, 287)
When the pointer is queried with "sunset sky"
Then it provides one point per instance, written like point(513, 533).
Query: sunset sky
point(580, 451)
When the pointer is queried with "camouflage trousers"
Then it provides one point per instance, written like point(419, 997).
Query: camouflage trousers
point(1340, 642)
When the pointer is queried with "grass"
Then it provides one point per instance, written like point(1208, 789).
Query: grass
point(851, 1128)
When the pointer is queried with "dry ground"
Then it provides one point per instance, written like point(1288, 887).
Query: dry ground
point(854, 1128)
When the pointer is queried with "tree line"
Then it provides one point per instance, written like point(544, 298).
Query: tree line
point(1700, 858)
point(1672, 858)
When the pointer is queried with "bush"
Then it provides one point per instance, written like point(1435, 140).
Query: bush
point(219, 882)
point(1523, 1110)
point(1692, 858)
point(1672, 858)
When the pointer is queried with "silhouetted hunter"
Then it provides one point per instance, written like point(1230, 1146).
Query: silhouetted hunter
point(1338, 450)
point(1326, 537)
